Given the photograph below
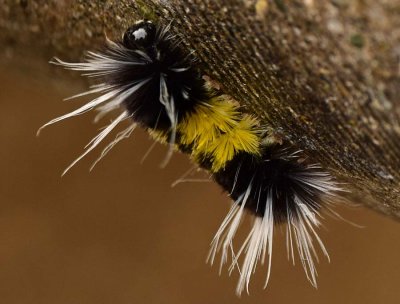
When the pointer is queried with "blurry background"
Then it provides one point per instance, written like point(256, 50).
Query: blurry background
point(121, 234)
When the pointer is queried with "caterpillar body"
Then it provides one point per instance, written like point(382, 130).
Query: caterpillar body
point(152, 81)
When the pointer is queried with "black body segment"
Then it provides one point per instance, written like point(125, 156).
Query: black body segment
point(271, 179)
point(162, 61)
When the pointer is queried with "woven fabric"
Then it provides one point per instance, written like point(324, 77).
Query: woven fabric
point(286, 68)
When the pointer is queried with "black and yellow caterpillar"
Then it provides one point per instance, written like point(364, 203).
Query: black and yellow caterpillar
point(152, 81)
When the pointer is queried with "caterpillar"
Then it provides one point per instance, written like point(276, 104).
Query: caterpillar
point(151, 80)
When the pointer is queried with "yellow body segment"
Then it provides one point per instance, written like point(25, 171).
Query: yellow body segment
point(207, 122)
point(218, 130)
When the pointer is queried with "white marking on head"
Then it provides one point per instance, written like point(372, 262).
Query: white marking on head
point(140, 34)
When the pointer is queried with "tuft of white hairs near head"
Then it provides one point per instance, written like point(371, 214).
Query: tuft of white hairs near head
point(128, 73)
point(112, 96)
point(301, 231)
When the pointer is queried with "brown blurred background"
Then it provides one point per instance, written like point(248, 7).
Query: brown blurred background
point(121, 234)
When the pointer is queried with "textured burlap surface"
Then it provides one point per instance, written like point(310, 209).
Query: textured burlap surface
point(322, 74)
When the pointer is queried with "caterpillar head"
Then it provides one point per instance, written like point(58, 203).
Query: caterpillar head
point(140, 35)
